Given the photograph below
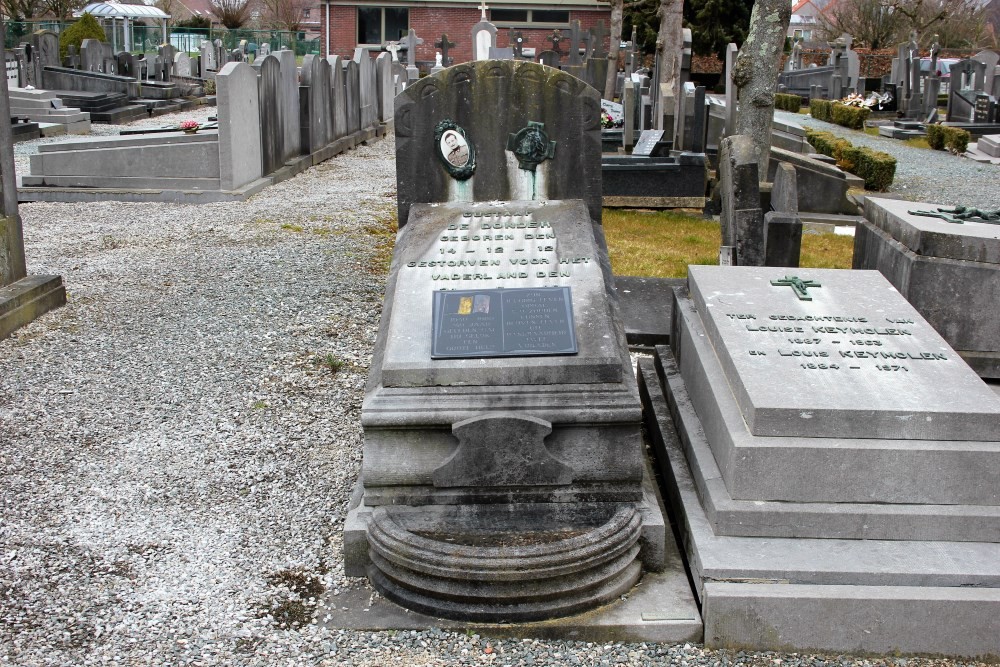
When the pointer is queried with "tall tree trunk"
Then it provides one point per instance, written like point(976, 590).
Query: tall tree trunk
point(617, 10)
point(669, 43)
point(755, 73)
point(12, 266)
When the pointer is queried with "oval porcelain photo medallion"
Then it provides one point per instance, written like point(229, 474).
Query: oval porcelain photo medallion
point(455, 150)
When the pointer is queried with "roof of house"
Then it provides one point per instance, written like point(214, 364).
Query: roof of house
point(113, 9)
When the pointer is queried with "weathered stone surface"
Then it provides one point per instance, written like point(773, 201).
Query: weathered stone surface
point(352, 96)
point(385, 87)
point(239, 125)
point(549, 247)
point(493, 100)
point(782, 239)
point(289, 103)
point(895, 376)
point(338, 97)
point(315, 116)
point(784, 192)
point(367, 93)
point(502, 449)
point(742, 220)
point(272, 130)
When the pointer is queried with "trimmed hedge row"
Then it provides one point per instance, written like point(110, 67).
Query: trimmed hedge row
point(820, 109)
point(841, 114)
point(875, 167)
point(787, 102)
point(954, 139)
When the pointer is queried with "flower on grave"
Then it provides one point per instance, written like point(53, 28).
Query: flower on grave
point(609, 121)
point(189, 125)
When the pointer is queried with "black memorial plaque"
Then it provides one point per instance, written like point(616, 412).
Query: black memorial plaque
point(647, 142)
point(518, 322)
point(981, 113)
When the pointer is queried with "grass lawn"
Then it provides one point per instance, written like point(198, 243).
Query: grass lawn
point(661, 244)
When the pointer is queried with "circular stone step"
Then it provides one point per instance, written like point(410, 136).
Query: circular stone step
point(500, 567)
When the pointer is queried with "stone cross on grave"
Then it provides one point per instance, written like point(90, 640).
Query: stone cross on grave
point(597, 35)
point(935, 49)
point(483, 8)
point(444, 45)
point(555, 38)
point(412, 41)
point(798, 286)
point(517, 43)
point(393, 48)
point(574, 43)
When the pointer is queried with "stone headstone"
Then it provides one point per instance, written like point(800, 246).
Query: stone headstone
point(731, 53)
point(239, 125)
point(352, 96)
point(699, 121)
point(575, 41)
point(367, 93)
point(628, 108)
point(182, 64)
point(13, 71)
point(91, 55)
point(314, 104)
point(338, 99)
point(784, 191)
point(289, 103)
point(647, 143)
point(385, 87)
point(501, 53)
point(741, 220)
point(264, 50)
point(549, 58)
point(209, 57)
point(272, 130)
point(484, 38)
point(567, 109)
point(72, 59)
point(45, 52)
point(411, 42)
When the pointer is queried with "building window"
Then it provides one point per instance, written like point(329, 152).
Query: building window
point(378, 25)
point(533, 18)
point(306, 13)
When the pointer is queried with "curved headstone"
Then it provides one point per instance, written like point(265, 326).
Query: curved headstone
point(493, 100)
point(239, 125)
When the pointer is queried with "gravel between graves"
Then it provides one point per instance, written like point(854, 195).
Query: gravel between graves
point(177, 453)
point(922, 174)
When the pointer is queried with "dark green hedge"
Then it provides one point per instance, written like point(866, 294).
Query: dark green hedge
point(954, 139)
point(86, 27)
point(787, 102)
point(875, 167)
point(852, 117)
point(820, 109)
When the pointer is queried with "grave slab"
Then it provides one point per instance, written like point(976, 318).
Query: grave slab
point(880, 370)
point(647, 305)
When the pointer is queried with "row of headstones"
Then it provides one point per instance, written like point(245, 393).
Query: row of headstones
point(647, 106)
point(304, 110)
point(835, 80)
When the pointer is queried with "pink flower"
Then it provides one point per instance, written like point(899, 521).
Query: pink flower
point(189, 125)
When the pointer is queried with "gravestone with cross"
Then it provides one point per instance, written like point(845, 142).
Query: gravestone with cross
point(598, 34)
point(517, 43)
point(444, 44)
point(394, 48)
point(556, 38)
point(575, 40)
point(484, 36)
point(410, 43)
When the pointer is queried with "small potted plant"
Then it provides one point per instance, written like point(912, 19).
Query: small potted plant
point(189, 126)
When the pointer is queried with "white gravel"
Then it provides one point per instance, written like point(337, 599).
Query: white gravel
point(176, 455)
point(923, 174)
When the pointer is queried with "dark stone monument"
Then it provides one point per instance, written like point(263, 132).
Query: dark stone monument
point(570, 114)
point(503, 460)
point(742, 220)
point(444, 45)
point(314, 101)
point(272, 131)
point(367, 95)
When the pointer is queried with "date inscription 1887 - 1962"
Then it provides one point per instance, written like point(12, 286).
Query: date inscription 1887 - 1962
point(513, 322)
point(454, 149)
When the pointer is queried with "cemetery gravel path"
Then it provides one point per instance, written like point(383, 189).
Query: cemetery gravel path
point(923, 174)
point(176, 454)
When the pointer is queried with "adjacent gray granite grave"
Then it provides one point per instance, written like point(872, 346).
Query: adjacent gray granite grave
point(741, 218)
point(314, 104)
point(239, 125)
point(517, 93)
point(949, 272)
point(880, 479)
point(182, 64)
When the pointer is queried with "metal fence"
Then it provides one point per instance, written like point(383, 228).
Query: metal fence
point(147, 38)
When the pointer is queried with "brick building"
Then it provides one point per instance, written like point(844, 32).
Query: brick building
point(346, 24)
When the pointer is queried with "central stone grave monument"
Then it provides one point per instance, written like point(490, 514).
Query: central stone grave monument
point(836, 464)
point(503, 477)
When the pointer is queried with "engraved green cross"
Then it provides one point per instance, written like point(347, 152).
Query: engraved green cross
point(798, 286)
